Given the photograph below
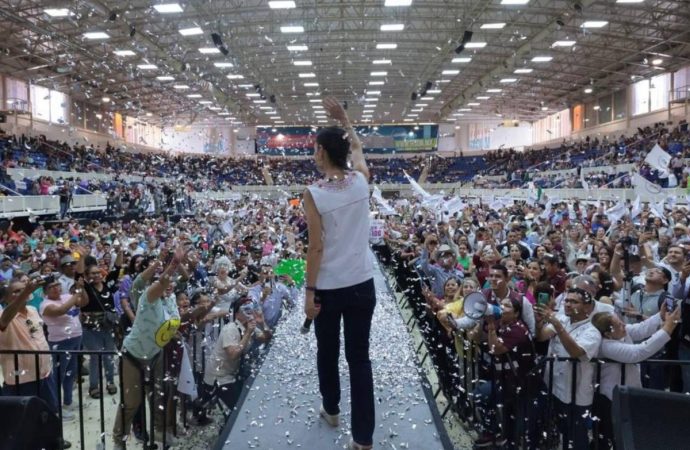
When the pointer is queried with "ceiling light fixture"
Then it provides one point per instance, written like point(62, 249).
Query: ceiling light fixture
point(381, 61)
point(379, 74)
point(397, 3)
point(450, 72)
point(563, 44)
point(181, 87)
point(209, 50)
point(147, 66)
point(475, 45)
point(124, 53)
point(282, 4)
point(58, 12)
point(390, 46)
point(292, 29)
point(297, 48)
point(223, 65)
point(508, 80)
point(302, 63)
point(393, 27)
point(594, 24)
point(167, 8)
point(307, 75)
point(493, 26)
point(461, 60)
point(192, 31)
point(94, 35)
point(525, 70)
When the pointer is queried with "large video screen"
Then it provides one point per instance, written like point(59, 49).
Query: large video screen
point(375, 139)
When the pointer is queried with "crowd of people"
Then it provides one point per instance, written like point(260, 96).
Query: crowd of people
point(199, 173)
point(568, 279)
point(210, 288)
point(571, 283)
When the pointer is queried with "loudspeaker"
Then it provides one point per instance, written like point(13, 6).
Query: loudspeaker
point(476, 307)
point(26, 423)
point(649, 419)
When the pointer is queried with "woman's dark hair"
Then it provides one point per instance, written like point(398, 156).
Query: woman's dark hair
point(131, 267)
point(334, 141)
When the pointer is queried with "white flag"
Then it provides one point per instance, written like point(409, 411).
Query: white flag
point(616, 212)
point(636, 208)
point(185, 383)
point(658, 159)
point(415, 186)
point(384, 207)
point(646, 190)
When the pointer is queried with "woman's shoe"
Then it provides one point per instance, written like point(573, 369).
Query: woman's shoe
point(356, 446)
point(94, 392)
point(111, 388)
point(331, 419)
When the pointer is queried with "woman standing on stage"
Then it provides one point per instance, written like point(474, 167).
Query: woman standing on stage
point(339, 277)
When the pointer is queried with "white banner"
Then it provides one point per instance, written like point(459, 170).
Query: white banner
point(185, 383)
point(376, 230)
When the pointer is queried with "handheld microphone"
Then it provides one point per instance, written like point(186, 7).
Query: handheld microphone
point(304, 329)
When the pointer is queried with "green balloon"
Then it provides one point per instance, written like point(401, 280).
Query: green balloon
point(293, 267)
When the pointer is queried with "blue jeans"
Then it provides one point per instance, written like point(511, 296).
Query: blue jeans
point(66, 366)
point(355, 305)
point(97, 340)
point(45, 389)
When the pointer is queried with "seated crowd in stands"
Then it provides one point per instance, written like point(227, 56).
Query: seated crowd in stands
point(506, 168)
point(210, 288)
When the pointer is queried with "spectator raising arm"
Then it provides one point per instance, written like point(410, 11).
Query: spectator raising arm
point(18, 304)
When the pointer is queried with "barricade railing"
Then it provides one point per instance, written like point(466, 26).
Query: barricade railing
point(529, 415)
point(199, 338)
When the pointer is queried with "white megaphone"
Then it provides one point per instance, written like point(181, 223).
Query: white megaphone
point(476, 307)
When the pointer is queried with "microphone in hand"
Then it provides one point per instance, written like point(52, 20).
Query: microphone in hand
point(304, 329)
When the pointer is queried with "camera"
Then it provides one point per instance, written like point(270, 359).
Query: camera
point(627, 241)
point(44, 279)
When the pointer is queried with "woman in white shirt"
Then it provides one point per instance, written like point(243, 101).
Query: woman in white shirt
point(61, 315)
point(626, 345)
point(340, 284)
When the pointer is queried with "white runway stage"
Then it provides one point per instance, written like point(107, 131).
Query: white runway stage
point(281, 408)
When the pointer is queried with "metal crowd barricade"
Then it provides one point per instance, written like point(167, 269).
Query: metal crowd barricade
point(534, 422)
point(104, 428)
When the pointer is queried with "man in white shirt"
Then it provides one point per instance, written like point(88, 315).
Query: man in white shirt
point(572, 336)
point(221, 377)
